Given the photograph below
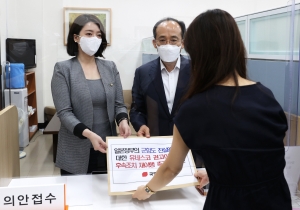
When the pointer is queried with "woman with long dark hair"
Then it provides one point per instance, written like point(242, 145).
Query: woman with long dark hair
point(235, 124)
point(88, 97)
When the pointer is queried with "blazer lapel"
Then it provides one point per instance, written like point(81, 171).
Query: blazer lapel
point(78, 73)
point(155, 74)
point(103, 74)
point(182, 83)
point(82, 86)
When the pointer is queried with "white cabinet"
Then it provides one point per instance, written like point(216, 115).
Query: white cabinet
point(18, 97)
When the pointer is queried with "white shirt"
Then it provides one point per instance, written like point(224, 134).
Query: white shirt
point(170, 80)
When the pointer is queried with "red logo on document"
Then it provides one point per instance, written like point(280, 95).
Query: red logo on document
point(144, 174)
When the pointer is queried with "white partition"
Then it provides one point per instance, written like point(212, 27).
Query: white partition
point(242, 24)
point(9, 145)
point(267, 35)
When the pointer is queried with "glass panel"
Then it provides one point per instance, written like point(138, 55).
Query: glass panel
point(147, 46)
point(242, 27)
point(271, 34)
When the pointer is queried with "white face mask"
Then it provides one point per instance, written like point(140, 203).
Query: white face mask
point(90, 45)
point(168, 53)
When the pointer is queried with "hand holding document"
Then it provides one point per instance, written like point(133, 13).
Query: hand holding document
point(203, 180)
point(132, 162)
point(202, 177)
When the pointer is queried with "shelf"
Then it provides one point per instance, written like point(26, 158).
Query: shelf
point(31, 99)
point(31, 93)
point(31, 134)
point(31, 114)
point(29, 72)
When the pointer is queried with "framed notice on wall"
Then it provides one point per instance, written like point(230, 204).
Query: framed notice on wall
point(103, 14)
point(133, 162)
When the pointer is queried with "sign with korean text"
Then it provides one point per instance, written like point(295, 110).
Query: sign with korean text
point(46, 197)
point(133, 162)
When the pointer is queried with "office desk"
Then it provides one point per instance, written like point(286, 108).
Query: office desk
point(91, 192)
point(53, 128)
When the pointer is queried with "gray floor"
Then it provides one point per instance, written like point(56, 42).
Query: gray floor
point(39, 158)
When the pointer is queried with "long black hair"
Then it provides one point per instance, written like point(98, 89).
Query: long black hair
point(216, 49)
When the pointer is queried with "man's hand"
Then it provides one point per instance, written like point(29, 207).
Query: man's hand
point(144, 131)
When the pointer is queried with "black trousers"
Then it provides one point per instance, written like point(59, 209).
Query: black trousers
point(97, 164)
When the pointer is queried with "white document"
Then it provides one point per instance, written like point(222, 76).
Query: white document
point(292, 168)
point(79, 190)
point(133, 162)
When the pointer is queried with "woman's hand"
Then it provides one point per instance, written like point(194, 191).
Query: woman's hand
point(141, 194)
point(124, 129)
point(98, 143)
point(202, 177)
point(96, 140)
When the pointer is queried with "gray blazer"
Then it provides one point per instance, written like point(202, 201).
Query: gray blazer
point(73, 104)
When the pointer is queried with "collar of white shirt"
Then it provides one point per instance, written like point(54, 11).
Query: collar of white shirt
point(162, 66)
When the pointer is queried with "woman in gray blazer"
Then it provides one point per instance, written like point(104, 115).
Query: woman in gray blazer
point(88, 97)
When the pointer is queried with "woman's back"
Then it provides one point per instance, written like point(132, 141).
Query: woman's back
point(241, 143)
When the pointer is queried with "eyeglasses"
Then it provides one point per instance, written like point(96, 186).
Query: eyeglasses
point(90, 35)
point(166, 41)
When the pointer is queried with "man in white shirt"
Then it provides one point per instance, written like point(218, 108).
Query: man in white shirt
point(160, 84)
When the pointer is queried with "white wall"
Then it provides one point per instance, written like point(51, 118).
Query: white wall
point(2, 45)
point(132, 20)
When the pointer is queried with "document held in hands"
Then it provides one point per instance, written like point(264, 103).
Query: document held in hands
point(133, 162)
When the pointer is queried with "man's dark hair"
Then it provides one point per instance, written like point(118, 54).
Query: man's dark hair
point(77, 25)
point(180, 23)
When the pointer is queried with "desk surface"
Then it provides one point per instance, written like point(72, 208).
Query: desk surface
point(91, 191)
point(53, 126)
